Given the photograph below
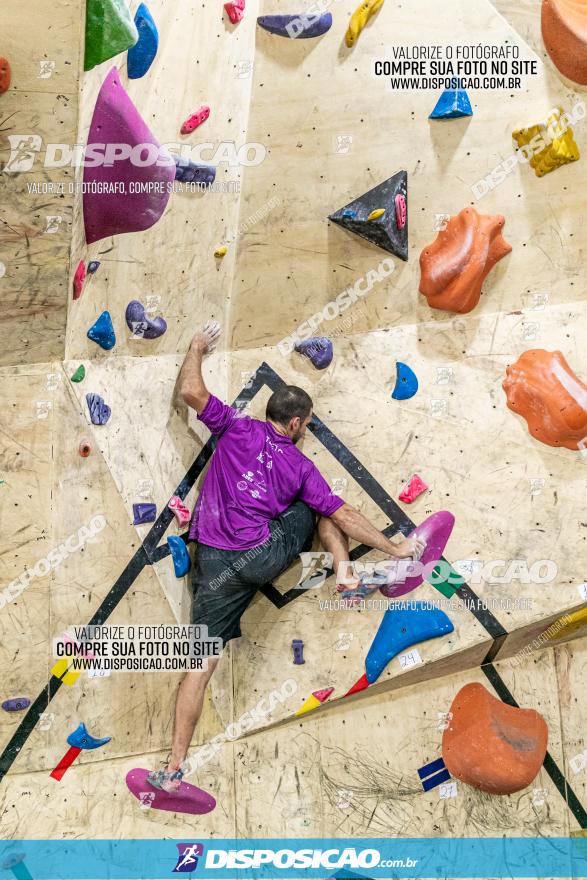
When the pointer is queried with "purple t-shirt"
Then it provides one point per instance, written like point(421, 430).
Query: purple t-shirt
point(255, 474)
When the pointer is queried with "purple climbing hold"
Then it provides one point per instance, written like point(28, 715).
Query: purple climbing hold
point(301, 27)
point(102, 332)
point(93, 266)
point(140, 325)
point(298, 652)
point(107, 210)
point(317, 349)
point(191, 172)
point(144, 513)
point(100, 412)
point(16, 704)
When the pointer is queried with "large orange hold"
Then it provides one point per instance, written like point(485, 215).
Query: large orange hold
point(492, 746)
point(456, 264)
point(4, 75)
point(542, 388)
point(564, 31)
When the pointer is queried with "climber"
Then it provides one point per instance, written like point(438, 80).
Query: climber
point(255, 514)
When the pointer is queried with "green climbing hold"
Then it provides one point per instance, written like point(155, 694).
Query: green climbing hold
point(110, 30)
point(80, 374)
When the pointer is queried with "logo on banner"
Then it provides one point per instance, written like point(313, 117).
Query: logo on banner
point(189, 854)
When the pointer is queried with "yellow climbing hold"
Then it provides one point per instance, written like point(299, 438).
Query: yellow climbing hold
point(374, 215)
point(60, 668)
point(359, 19)
point(549, 144)
point(311, 703)
point(221, 251)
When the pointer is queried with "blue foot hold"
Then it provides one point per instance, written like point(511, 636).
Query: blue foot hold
point(400, 629)
point(406, 383)
point(81, 739)
point(190, 172)
point(298, 652)
point(144, 513)
point(102, 332)
point(451, 105)
point(317, 349)
point(296, 27)
point(142, 54)
point(93, 266)
point(100, 412)
point(180, 555)
point(16, 704)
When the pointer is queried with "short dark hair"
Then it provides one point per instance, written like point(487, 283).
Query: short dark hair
point(287, 403)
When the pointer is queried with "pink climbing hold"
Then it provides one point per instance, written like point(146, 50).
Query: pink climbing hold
point(195, 119)
point(323, 694)
point(401, 211)
point(180, 510)
point(235, 10)
point(414, 487)
point(78, 280)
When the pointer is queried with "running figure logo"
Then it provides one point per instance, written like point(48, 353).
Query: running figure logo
point(188, 857)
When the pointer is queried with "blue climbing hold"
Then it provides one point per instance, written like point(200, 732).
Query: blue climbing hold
point(93, 266)
point(318, 349)
point(102, 332)
point(191, 172)
point(401, 628)
point(100, 412)
point(452, 104)
point(180, 555)
point(142, 54)
point(144, 513)
point(16, 704)
point(406, 383)
point(298, 652)
point(296, 27)
point(81, 739)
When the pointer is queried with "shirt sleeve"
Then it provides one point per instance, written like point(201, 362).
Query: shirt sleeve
point(316, 493)
point(218, 416)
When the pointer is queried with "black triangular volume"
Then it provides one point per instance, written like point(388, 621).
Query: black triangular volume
point(383, 231)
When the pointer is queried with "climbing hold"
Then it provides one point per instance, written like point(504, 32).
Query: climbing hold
point(318, 350)
point(78, 280)
point(16, 704)
point(385, 231)
point(314, 700)
point(142, 54)
point(196, 119)
point(85, 448)
point(564, 31)
point(413, 488)
point(102, 332)
point(140, 325)
point(490, 745)
point(374, 215)
point(187, 799)
point(559, 144)
point(100, 412)
point(435, 532)
point(81, 739)
point(93, 266)
point(191, 172)
point(107, 212)
point(300, 27)
point(182, 513)
point(451, 105)
point(180, 555)
point(433, 774)
point(143, 513)
point(4, 74)
point(298, 652)
point(401, 211)
point(80, 374)
point(541, 387)
point(221, 251)
point(235, 10)
point(359, 19)
point(406, 382)
point(110, 30)
point(454, 267)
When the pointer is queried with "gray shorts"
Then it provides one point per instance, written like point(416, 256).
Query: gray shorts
point(225, 581)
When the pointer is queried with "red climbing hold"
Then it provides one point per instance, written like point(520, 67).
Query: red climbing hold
point(359, 685)
point(78, 280)
point(235, 10)
point(84, 448)
point(414, 487)
point(5, 74)
point(195, 119)
point(401, 211)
